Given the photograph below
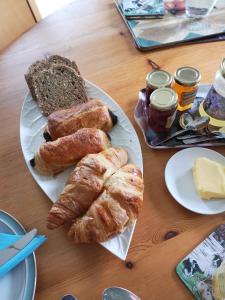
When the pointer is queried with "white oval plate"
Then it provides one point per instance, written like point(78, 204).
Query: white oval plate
point(20, 282)
point(180, 183)
point(32, 125)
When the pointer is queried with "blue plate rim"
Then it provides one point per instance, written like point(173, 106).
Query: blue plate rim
point(30, 262)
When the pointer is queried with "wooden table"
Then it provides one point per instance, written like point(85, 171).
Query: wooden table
point(93, 33)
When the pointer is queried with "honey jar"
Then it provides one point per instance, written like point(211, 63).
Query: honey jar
point(157, 79)
point(186, 82)
point(162, 109)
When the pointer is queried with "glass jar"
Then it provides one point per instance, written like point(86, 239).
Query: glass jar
point(162, 109)
point(214, 104)
point(186, 81)
point(157, 79)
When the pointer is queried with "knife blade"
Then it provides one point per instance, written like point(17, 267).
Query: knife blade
point(7, 253)
point(158, 141)
point(190, 136)
point(202, 139)
point(213, 134)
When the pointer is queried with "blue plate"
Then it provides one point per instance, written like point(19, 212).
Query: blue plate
point(19, 283)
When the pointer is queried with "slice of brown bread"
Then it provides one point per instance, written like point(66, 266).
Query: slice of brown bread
point(57, 59)
point(58, 87)
point(32, 71)
point(44, 64)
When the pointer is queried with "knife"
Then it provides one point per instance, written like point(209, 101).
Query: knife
point(191, 136)
point(213, 134)
point(202, 139)
point(7, 253)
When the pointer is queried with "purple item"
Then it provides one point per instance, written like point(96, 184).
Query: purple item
point(214, 104)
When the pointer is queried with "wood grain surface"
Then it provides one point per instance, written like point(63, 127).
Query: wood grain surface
point(15, 18)
point(92, 33)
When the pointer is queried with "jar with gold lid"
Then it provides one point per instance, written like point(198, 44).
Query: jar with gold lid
point(157, 79)
point(162, 109)
point(185, 84)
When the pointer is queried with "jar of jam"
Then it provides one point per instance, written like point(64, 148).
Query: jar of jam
point(162, 109)
point(157, 79)
point(214, 103)
point(186, 81)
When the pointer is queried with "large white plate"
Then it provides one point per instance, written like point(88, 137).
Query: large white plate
point(20, 282)
point(179, 180)
point(32, 125)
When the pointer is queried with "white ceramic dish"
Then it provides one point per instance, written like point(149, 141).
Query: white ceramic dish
point(32, 125)
point(20, 282)
point(179, 180)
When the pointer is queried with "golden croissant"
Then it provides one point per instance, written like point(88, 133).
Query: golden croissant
point(117, 206)
point(54, 157)
point(85, 184)
point(93, 114)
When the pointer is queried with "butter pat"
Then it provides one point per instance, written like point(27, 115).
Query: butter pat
point(209, 178)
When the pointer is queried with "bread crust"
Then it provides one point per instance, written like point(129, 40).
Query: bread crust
point(44, 64)
point(85, 184)
point(117, 206)
point(55, 83)
point(54, 157)
point(93, 114)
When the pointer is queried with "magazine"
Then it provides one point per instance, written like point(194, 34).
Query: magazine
point(142, 8)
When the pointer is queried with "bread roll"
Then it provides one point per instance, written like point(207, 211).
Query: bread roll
point(85, 184)
point(54, 157)
point(93, 114)
point(117, 206)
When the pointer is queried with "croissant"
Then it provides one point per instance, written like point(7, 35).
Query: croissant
point(54, 157)
point(85, 184)
point(117, 206)
point(93, 114)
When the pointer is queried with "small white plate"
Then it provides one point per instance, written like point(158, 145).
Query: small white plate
point(180, 183)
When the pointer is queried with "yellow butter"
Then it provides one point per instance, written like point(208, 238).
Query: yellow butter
point(209, 178)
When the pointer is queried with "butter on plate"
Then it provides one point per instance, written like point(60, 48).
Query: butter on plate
point(209, 178)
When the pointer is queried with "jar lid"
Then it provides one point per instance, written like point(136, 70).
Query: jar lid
point(187, 76)
point(222, 68)
point(164, 99)
point(159, 78)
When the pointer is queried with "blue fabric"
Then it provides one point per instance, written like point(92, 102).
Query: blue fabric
point(8, 239)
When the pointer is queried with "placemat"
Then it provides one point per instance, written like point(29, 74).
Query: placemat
point(197, 268)
point(176, 28)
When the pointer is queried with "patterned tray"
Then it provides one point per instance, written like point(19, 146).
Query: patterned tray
point(150, 135)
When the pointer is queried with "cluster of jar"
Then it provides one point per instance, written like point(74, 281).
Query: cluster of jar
point(166, 94)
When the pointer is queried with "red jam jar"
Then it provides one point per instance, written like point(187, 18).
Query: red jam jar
point(155, 80)
point(162, 109)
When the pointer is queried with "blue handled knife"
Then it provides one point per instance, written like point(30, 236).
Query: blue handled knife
point(7, 253)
